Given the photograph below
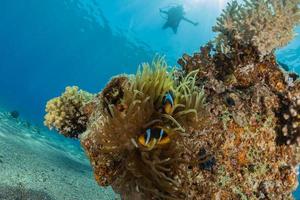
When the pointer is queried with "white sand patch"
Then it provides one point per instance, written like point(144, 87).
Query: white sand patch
point(38, 164)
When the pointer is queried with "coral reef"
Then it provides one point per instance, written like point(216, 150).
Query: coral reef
point(65, 113)
point(230, 116)
point(266, 24)
point(245, 136)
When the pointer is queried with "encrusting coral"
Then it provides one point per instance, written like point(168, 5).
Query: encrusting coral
point(228, 119)
point(289, 117)
point(65, 113)
point(246, 120)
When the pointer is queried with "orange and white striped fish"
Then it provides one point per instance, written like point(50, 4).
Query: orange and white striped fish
point(154, 136)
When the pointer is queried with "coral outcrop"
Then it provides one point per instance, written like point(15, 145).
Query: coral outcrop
point(230, 116)
point(246, 137)
point(66, 113)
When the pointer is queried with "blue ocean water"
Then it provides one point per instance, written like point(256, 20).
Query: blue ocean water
point(47, 45)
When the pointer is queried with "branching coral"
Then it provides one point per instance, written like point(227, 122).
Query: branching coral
point(265, 24)
point(65, 113)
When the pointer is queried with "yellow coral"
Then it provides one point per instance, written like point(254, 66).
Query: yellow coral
point(65, 113)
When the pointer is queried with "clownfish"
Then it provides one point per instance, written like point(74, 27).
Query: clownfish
point(168, 102)
point(154, 136)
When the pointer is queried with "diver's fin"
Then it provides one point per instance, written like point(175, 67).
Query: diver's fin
point(163, 11)
point(166, 25)
point(174, 28)
point(190, 21)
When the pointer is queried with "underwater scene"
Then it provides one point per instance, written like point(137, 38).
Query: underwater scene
point(149, 100)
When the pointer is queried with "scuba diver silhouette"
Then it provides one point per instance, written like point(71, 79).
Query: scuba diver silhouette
point(174, 16)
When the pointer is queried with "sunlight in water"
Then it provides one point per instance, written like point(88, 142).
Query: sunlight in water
point(190, 4)
point(221, 4)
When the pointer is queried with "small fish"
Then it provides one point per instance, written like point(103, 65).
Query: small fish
point(168, 102)
point(154, 136)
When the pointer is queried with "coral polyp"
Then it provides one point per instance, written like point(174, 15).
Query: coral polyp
point(223, 126)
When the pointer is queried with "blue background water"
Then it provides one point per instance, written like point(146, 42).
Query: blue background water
point(47, 45)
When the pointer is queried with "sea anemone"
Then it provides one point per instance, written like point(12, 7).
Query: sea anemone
point(191, 101)
point(120, 160)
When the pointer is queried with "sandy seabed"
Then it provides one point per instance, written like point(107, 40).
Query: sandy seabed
point(40, 165)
